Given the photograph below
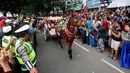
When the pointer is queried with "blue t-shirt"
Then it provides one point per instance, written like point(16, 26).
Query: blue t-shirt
point(118, 19)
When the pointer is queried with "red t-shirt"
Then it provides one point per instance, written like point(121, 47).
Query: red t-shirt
point(124, 25)
point(1, 24)
point(105, 24)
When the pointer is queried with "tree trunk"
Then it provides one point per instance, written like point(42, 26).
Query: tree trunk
point(4, 13)
point(12, 14)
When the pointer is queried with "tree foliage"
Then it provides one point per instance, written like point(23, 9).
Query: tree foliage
point(13, 6)
point(28, 7)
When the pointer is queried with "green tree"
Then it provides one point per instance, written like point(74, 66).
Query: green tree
point(28, 7)
point(13, 6)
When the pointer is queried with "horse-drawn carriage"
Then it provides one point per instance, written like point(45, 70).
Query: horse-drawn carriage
point(50, 24)
point(65, 30)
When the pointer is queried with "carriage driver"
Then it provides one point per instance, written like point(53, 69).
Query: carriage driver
point(63, 24)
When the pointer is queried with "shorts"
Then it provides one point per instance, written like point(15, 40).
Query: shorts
point(115, 44)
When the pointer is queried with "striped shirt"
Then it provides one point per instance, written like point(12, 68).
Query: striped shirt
point(23, 54)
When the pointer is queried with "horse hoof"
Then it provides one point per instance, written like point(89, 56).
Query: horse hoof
point(70, 57)
point(61, 47)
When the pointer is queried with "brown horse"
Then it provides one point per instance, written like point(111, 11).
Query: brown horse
point(68, 34)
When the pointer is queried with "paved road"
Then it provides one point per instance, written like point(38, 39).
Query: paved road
point(53, 59)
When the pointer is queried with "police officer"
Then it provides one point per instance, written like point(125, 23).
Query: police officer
point(8, 45)
point(7, 30)
point(24, 51)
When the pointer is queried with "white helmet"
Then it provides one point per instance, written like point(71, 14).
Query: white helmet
point(7, 29)
point(8, 21)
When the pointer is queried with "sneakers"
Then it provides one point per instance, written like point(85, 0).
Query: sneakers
point(111, 57)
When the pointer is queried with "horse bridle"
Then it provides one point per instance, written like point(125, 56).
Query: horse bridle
point(68, 32)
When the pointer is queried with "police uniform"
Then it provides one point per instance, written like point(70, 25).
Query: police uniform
point(6, 38)
point(24, 52)
point(5, 30)
point(5, 42)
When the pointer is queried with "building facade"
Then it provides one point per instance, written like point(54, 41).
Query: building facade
point(92, 3)
point(73, 4)
point(96, 4)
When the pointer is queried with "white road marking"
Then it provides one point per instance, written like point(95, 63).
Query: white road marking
point(112, 66)
point(101, 59)
point(81, 47)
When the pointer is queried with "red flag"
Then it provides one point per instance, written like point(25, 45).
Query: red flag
point(103, 3)
point(84, 8)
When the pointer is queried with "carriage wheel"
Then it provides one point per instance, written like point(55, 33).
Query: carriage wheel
point(46, 35)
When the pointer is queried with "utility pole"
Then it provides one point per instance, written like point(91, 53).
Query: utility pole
point(108, 2)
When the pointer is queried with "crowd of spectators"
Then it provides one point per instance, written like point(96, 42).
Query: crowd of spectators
point(107, 29)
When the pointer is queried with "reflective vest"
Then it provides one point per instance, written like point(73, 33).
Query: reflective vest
point(5, 41)
point(31, 55)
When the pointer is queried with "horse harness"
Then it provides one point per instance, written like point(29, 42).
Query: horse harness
point(69, 33)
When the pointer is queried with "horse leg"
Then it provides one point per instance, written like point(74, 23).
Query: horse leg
point(59, 39)
point(69, 50)
point(70, 53)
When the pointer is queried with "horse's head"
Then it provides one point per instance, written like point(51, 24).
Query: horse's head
point(73, 24)
point(74, 21)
